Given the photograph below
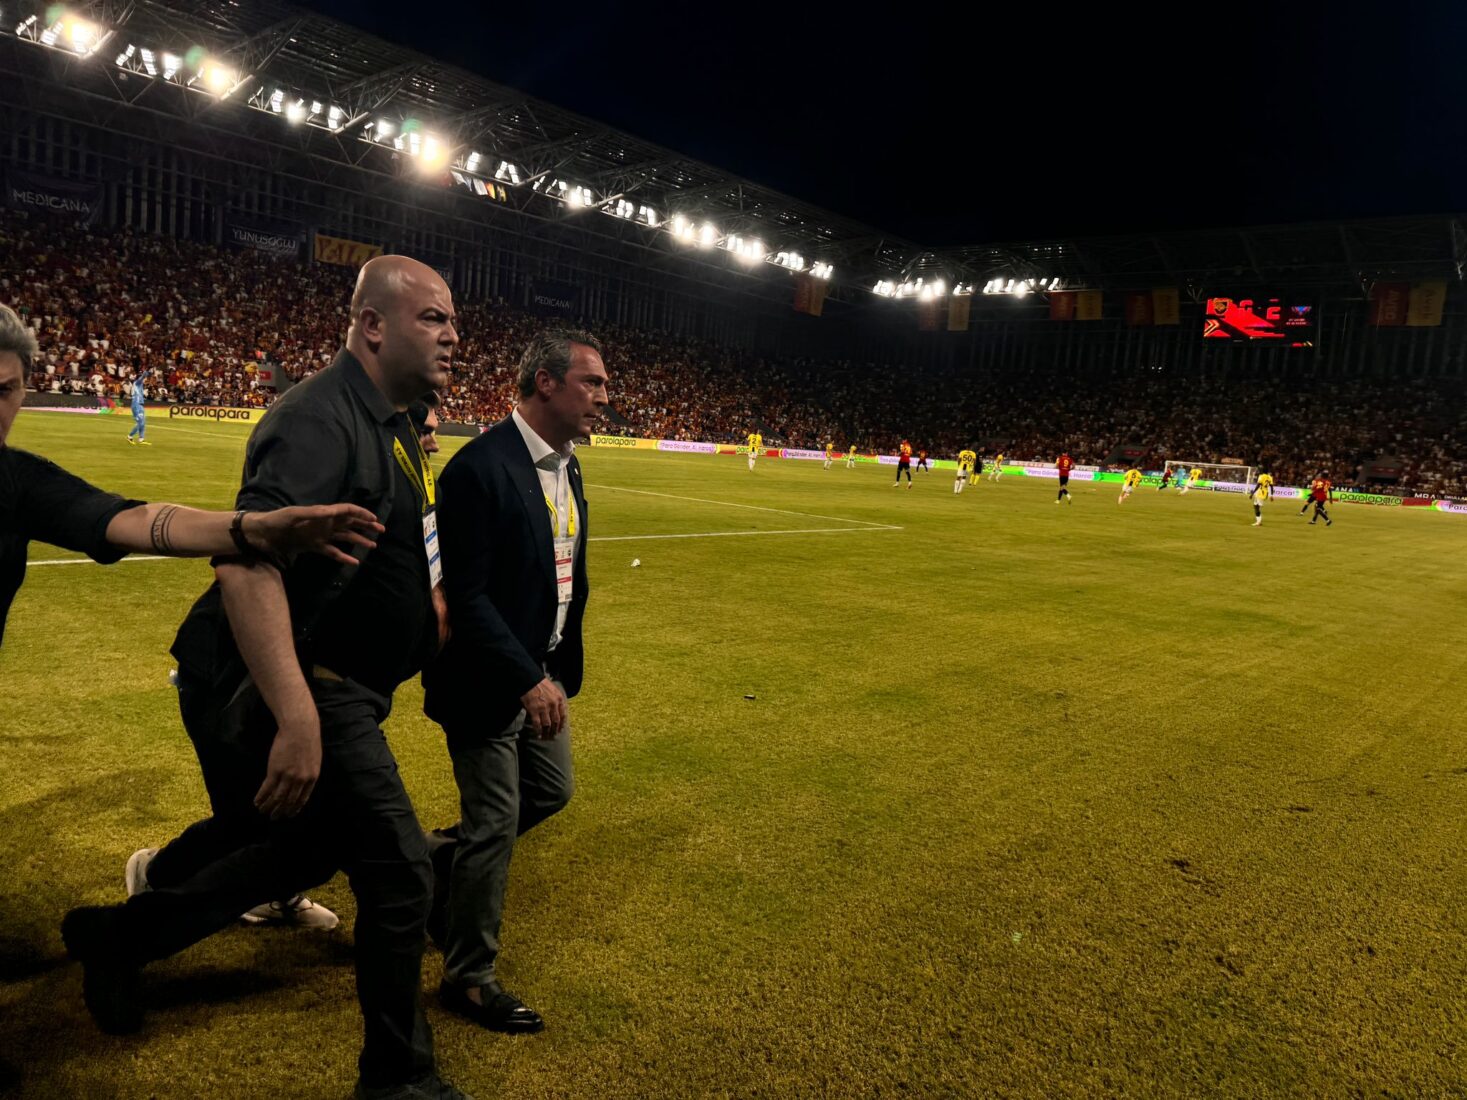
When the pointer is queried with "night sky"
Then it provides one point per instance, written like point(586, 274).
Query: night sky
point(1009, 122)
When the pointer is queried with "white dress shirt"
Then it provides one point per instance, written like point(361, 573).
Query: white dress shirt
point(552, 466)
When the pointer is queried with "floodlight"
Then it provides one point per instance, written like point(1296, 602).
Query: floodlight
point(507, 172)
point(171, 64)
point(335, 117)
point(647, 216)
point(1021, 289)
point(886, 288)
point(625, 209)
point(382, 130)
point(125, 56)
point(434, 153)
point(581, 197)
point(82, 34)
point(472, 163)
point(822, 270)
point(149, 62)
point(277, 100)
point(707, 236)
point(296, 112)
point(219, 79)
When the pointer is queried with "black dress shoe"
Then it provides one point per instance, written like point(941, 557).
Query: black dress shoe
point(92, 935)
point(500, 1011)
point(431, 1087)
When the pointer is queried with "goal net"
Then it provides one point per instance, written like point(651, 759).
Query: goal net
point(1228, 477)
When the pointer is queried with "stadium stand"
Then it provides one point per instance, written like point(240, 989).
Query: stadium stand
point(107, 304)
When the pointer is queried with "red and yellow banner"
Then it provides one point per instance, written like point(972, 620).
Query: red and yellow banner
point(339, 250)
point(1388, 304)
point(809, 295)
point(1087, 305)
point(1138, 309)
point(958, 308)
point(1062, 305)
point(1166, 306)
point(1424, 307)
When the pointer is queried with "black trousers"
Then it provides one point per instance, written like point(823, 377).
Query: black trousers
point(359, 820)
point(901, 466)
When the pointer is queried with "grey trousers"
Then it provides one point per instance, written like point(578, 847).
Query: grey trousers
point(508, 782)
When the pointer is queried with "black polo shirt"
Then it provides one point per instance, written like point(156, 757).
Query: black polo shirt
point(327, 441)
point(41, 501)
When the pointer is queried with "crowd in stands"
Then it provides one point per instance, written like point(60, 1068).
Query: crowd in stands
point(108, 304)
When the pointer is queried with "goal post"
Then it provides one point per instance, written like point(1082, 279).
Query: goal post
point(1223, 475)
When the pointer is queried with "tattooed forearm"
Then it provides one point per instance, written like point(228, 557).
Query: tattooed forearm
point(162, 523)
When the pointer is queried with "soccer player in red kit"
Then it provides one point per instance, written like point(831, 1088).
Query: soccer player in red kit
point(904, 463)
point(1321, 493)
point(1064, 464)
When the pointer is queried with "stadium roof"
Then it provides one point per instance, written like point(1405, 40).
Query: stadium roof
point(362, 97)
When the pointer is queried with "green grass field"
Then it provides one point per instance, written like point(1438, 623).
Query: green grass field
point(1029, 801)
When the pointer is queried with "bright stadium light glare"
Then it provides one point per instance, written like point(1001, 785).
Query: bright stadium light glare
point(707, 236)
point(822, 271)
point(382, 130)
point(295, 113)
point(886, 288)
point(435, 154)
point(82, 34)
point(472, 162)
point(683, 229)
point(125, 56)
point(171, 64)
point(335, 118)
point(150, 62)
point(581, 197)
point(1021, 289)
point(625, 209)
point(647, 216)
point(507, 173)
point(218, 78)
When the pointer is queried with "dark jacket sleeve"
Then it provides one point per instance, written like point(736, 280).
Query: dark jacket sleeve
point(468, 511)
point(62, 509)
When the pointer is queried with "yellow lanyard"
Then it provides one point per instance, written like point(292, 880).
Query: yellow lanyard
point(555, 515)
point(420, 476)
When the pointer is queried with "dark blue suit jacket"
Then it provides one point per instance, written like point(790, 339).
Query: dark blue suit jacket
point(499, 576)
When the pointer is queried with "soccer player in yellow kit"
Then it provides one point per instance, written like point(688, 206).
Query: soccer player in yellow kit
point(966, 459)
point(1128, 484)
point(997, 470)
point(829, 454)
point(756, 444)
point(1193, 477)
point(1261, 492)
point(851, 458)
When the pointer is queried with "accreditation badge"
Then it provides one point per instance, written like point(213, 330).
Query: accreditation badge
point(565, 560)
point(431, 548)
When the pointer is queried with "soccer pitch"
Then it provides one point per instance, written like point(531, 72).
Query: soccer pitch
point(1028, 800)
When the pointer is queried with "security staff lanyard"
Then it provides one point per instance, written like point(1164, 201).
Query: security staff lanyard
point(420, 474)
point(565, 544)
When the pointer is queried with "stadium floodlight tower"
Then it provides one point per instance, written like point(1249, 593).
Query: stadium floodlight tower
point(1225, 477)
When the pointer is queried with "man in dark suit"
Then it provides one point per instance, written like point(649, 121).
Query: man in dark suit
point(512, 524)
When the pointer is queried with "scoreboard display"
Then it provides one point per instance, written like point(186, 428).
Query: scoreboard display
point(1285, 320)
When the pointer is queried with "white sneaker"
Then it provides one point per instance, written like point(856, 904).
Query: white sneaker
point(136, 875)
point(299, 910)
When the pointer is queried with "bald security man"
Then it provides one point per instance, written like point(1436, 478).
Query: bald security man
point(286, 674)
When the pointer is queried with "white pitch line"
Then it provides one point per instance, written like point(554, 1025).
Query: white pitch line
point(89, 561)
point(752, 507)
point(740, 534)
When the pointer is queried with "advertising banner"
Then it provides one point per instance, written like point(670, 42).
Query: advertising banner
point(32, 191)
point(1424, 306)
point(1062, 305)
point(790, 452)
point(1388, 303)
point(555, 299)
point(282, 243)
point(219, 414)
point(625, 442)
point(687, 446)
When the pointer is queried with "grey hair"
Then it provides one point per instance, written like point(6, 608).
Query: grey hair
point(16, 337)
point(551, 350)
